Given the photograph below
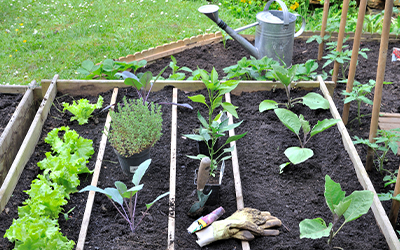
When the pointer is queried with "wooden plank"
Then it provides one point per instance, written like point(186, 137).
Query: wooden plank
point(15, 131)
point(390, 120)
point(172, 174)
point(95, 178)
point(382, 114)
point(380, 214)
point(28, 145)
point(236, 171)
point(13, 89)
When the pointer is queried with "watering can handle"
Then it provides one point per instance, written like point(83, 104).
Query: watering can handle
point(303, 25)
point(284, 10)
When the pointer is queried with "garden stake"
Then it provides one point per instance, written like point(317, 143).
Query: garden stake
point(394, 210)
point(323, 28)
point(340, 38)
point(354, 57)
point(379, 81)
point(202, 178)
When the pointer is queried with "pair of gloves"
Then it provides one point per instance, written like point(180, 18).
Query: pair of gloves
point(244, 224)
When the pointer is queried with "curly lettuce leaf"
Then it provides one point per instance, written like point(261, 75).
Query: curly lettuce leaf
point(82, 110)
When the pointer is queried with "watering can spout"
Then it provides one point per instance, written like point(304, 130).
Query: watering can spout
point(211, 11)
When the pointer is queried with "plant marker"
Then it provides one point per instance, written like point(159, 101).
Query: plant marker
point(205, 221)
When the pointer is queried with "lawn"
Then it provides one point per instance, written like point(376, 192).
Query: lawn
point(43, 38)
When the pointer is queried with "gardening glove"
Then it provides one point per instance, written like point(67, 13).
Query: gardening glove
point(244, 224)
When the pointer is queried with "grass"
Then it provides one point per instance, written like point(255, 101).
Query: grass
point(41, 38)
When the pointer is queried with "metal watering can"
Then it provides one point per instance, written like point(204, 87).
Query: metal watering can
point(274, 32)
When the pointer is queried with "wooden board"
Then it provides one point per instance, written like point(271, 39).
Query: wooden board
point(388, 121)
point(95, 87)
point(15, 131)
point(95, 178)
point(379, 213)
point(28, 146)
point(13, 89)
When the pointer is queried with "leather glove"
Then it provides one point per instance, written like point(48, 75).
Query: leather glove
point(244, 224)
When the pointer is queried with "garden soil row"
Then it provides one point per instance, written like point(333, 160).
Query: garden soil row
point(8, 104)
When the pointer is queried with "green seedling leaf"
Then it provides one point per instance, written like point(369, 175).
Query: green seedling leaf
point(141, 170)
point(132, 191)
point(315, 101)
point(148, 206)
point(342, 207)
point(361, 201)
point(289, 119)
point(110, 192)
point(323, 125)
point(267, 105)
point(298, 155)
point(228, 107)
point(234, 138)
point(88, 65)
point(202, 120)
point(333, 193)
point(305, 125)
point(198, 98)
point(121, 187)
point(194, 137)
point(385, 196)
point(314, 228)
point(282, 166)
point(282, 75)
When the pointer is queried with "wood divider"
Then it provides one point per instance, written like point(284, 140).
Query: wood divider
point(95, 178)
point(172, 174)
point(377, 208)
point(28, 145)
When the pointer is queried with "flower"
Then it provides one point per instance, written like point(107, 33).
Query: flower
point(16, 29)
point(24, 41)
point(243, 1)
point(10, 55)
point(21, 24)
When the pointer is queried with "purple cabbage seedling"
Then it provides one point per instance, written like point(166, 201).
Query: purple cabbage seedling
point(122, 195)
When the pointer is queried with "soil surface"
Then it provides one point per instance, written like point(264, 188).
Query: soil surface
point(8, 104)
point(293, 196)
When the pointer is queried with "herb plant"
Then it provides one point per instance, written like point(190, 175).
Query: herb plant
point(350, 207)
point(385, 141)
point(122, 195)
point(286, 76)
point(213, 128)
point(82, 110)
point(294, 123)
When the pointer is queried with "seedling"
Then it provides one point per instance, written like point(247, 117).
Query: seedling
point(286, 76)
point(351, 207)
point(109, 68)
point(175, 74)
point(122, 195)
point(293, 122)
point(385, 141)
point(82, 110)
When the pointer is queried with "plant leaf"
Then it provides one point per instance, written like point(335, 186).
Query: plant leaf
point(228, 107)
point(282, 166)
point(323, 125)
point(148, 206)
point(314, 228)
point(341, 208)
point(298, 155)
point(333, 193)
point(289, 119)
point(198, 98)
point(234, 138)
point(361, 201)
point(267, 105)
point(315, 101)
point(141, 170)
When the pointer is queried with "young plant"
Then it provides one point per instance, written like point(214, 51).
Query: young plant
point(350, 207)
point(175, 75)
point(385, 141)
point(294, 123)
point(306, 71)
point(122, 195)
point(241, 70)
point(108, 69)
point(250, 69)
point(286, 76)
point(215, 127)
point(82, 110)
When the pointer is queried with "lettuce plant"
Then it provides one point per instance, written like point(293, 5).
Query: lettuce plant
point(213, 128)
point(286, 76)
point(350, 207)
point(294, 123)
point(82, 110)
point(122, 195)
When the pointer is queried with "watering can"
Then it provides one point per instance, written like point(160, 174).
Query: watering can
point(275, 32)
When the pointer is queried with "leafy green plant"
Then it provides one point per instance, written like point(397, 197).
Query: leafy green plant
point(294, 123)
point(306, 71)
point(175, 68)
point(108, 68)
point(385, 141)
point(225, 37)
point(350, 207)
point(286, 76)
point(373, 23)
point(122, 195)
point(82, 110)
point(135, 126)
point(215, 127)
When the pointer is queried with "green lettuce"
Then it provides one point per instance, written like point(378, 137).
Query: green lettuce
point(82, 110)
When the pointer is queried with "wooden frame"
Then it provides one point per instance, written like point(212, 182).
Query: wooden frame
point(13, 135)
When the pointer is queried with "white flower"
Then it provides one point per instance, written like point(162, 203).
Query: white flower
point(162, 12)
point(35, 32)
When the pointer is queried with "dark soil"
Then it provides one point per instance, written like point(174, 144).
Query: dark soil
point(295, 195)
point(8, 104)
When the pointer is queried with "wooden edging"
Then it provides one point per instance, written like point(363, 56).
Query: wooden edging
point(17, 127)
point(95, 178)
point(28, 145)
point(95, 87)
point(380, 214)
point(172, 174)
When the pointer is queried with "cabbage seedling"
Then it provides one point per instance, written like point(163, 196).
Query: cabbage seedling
point(351, 207)
point(293, 122)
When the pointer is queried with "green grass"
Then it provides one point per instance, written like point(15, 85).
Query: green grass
point(41, 38)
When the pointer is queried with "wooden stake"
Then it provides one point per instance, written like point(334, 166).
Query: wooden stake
point(172, 174)
point(323, 28)
point(340, 38)
point(379, 81)
point(354, 57)
point(95, 178)
point(236, 172)
point(394, 210)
